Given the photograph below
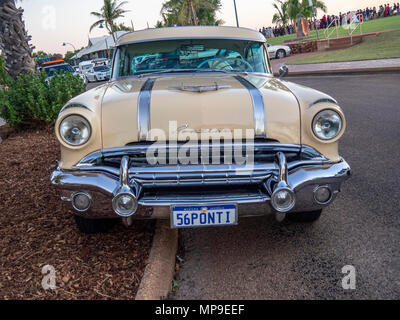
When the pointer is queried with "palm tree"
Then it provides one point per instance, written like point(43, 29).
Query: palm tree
point(110, 12)
point(189, 12)
point(122, 27)
point(296, 8)
point(318, 5)
point(281, 17)
point(14, 40)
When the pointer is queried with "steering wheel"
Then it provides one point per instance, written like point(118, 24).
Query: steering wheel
point(215, 59)
point(247, 63)
point(227, 63)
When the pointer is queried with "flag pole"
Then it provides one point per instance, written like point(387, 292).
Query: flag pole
point(237, 19)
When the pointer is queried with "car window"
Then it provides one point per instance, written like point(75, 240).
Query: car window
point(100, 68)
point(207, 54)
point(58, 69)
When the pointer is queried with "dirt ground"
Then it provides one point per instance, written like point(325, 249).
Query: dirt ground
point(37, 230)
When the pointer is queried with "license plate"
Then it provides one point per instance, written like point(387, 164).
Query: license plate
point(204, 216)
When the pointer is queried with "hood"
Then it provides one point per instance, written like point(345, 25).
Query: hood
point(202, 105)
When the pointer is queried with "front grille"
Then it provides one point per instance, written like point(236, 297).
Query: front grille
point(202, 194)
point(145, 174)
point(181, 154)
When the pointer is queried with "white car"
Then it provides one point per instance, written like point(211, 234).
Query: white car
point(100, 73)
point(85, 66)
point(278, 51)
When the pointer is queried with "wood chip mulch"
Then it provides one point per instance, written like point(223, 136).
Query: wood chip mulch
point(36, 230)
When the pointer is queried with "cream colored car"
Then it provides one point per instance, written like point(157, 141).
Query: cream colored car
point(201, 133)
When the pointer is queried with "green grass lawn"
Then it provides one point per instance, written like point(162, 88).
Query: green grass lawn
point(387, 45)
point(368, 26)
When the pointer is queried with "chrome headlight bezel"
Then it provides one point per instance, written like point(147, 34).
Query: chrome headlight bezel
point(81, 123)
point(327, 113)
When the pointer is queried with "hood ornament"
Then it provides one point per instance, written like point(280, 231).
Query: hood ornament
point(201, 89)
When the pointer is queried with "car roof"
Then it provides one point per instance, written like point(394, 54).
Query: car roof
point(84, 63)
point(55, 65)
point(191, 32)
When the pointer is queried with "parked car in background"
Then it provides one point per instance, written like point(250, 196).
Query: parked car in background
point(100, 73)
point(278, 51)
point(100, 62)
point(138, 147)
point(60, 67)
point(85, 66)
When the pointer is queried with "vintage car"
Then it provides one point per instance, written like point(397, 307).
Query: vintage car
point(204, 135)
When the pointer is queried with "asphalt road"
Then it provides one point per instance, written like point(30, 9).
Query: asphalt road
point(262, 259)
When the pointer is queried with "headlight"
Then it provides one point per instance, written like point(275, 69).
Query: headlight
point(327, 124)
point(75, 130)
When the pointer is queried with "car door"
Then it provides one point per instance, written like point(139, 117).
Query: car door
point(271, 51)
point(90, 75)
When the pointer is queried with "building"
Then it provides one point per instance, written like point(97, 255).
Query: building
point(99, 47)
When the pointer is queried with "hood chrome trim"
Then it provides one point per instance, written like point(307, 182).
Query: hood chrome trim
point(321, 100)
point(75, 105)
point(258, 107)
point(201, 89)
point(143, 110)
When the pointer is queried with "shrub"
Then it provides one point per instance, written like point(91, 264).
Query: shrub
point(32, 100)
point(4, 77)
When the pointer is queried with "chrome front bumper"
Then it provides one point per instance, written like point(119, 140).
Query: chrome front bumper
point(160, 187)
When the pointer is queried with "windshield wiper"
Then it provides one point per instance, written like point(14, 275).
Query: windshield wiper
point(148, 74)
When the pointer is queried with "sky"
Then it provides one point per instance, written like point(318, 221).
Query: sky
point(53, 22)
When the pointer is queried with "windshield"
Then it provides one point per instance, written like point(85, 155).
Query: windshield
point(204, 55)
point(101, 68)
point(87, 67)
point(58, 69)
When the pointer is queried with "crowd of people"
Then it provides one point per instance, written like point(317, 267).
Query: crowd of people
point(326, 21)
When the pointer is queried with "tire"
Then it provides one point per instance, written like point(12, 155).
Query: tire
point(280, 54)
point(94, 226)
point(304, 217)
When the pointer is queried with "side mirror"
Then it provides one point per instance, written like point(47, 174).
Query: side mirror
point(283, 71)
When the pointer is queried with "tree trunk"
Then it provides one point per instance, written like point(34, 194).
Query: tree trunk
point(14, 40)
point(192, 14)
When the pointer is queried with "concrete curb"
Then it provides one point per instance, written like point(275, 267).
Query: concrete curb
point(341, 72)
point(158, 275)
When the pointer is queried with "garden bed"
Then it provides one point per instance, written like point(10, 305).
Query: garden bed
point(37, 230)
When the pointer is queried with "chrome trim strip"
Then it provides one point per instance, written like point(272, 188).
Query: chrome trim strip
point(258, 107)
point(143, 110)
point(186, 38)
point(321, 100)
point(91, 159)
point(191, 74)
point(124, 171)
point(75, 105)
point(200, 89)
point(283, 167)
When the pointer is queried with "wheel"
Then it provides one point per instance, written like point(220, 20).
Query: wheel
point(281, 54)
point(94, 226)
point(304, 217)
